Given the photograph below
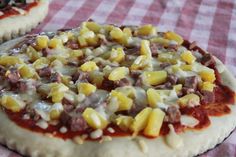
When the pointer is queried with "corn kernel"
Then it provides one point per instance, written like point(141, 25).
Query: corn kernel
point(86, 88)
point(94, 119)
point(33, 54)
point(146, 30)
point(145, 48)
point(26, 71)
point(57, 92)
point(188, 57)
point(190, 99)
point(128, 91)
point(140, 63)
point(123, 122)
point(12, 103)
point(124, 102)
point(41, 63)
point(117, 55)
point(154, 123)
point(10, 60)
point(42, 41)
point(55, 43)
point(167, 57)
point(208, 86)
point(153, 97)
point(93, 26)
point(140, 120)
point(116, 33)
point(82, 41)
point(127, 32)
point(118, 73)
point(154, 77)
point(174, 36)
point(186, 67)
point(207, 75)
point(89, 66)
point(178, 88)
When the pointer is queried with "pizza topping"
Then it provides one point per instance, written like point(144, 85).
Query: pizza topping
point(173, 139)
point(132, 79)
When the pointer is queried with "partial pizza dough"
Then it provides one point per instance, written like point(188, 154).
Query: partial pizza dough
point(194, 142)
point(14, 26)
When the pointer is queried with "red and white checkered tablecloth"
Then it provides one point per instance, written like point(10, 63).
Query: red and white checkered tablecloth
point(212, 23)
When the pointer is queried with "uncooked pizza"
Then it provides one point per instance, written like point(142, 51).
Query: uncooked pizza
point(109, 91)
point(19, 16)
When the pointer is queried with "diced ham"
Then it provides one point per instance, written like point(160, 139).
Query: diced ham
point(207, 59)
point(2, 70)
point(164, 65)
point(173, 115)
point(123, 82)
point(207, 97)
point(133, 50)
point(45, 52)
point(81, 76)
point(21, 86)
point(13, 76)
point(154, 49)
point(73, 44)
point(186, 90)
point(191, 82)
point(45, 72)
point(55, 77)
point(192, 45)
point(171, 78)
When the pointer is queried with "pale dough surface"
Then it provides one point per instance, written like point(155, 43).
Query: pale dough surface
point(195, 142)
point(14, 26)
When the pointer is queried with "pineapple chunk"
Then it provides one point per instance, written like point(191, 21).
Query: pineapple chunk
point(89, 66)
point(66, 80)
point(55, 43)
point(146, 30)
point(153, 97)
point(57, 91)
point(76, 53)
point(127, 32)
point(116, 33)
point(178, 88)
point(145, 48)
point(140, 62)
point(94, 119)
point(86, 88)
point(208, 86)
point(188, 57)
point(93, 26)
point(55, 111)
point(92, 41)
point(26, 71)
point(167, 57)
point(186, 67)
point(82, 41)
point(140, 120)
point(128, 91)
point(33, 54)
point(174, 36)
point(190, 99)
point(124, 102)
point(42, 41)
point(154, 77)
point(118, 73)
point(207, 75)
point(12, 103)
point(96, 77)
point(123, 122)
point(117, 55)
point(154, 123)
point(41, 63)
point(160, 40)
point(10, 60)
point(175, 68)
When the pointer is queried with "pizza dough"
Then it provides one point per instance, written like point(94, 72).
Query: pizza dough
point(16, 25)
point(194, 142)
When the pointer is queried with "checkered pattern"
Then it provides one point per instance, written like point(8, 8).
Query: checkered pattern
point(212, 23)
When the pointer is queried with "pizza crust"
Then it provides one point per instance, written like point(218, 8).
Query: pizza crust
point(14, 26)
point(194, 142)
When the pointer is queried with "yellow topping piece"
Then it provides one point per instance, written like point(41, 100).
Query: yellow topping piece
point(89, 66)
point(154, 123)
point(76, 53)
point(33, 54)
point(145, 48)
point(167, 57)
point(186, 67)
point(96, 77)
point(57, 91)
point(116, 33)
point(124, 102)
point(188, 57)
point(208, 86)
point(55, 43)
point(12, 103)
point(153, 97)
point(146, 30)
point(118, 73)
point(154, 77)
point(26, 71)
point(86, 88)
point(10, 60)
point(93, 26)
point(140, 63)
point(42, 41)
point(124, 122)
point(178, 88)
point(127, 32)
point(117, 55)
point(190, 99)
point(174, 36)
point(160, 40)
point(54, 114)
point(207, 75)
point(41, 63)
point(82, 41)
point(140, 120)
point(94, 119)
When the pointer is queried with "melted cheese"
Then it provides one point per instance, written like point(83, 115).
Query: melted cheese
point(173, 139)
point(188, 121)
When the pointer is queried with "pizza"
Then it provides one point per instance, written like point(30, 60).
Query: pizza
point(109, 91)
point(19, 16)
